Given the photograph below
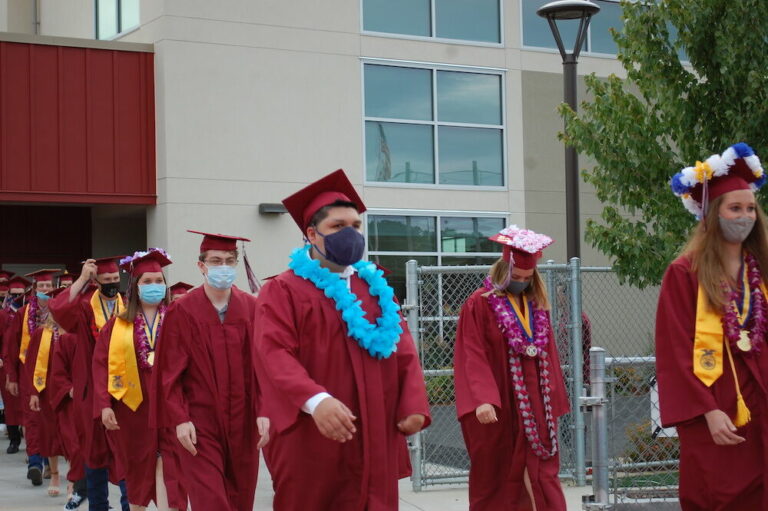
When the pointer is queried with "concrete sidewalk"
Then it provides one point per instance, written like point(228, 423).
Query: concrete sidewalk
point(18, 494)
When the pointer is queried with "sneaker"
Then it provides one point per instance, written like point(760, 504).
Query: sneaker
point(74, 501)
point(12, 449)
point(36, 475)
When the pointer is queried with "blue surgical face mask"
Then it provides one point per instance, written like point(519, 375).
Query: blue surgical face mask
point(343, 247)
point(42, 296)
point(221, 277)
point(152, 294)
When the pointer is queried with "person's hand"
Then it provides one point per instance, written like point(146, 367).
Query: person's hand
point(411, 424)
point(721, 428)
point(108, 419)
point(13, 388)
point(334, 420)
point(1, 363)
point(262, 424)
point(187, 436)
point(34, 403)
point(486, 414)
point(89, 271)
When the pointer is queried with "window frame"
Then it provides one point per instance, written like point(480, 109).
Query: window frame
point(120, 30)
point(433, 38)
point(435, 124)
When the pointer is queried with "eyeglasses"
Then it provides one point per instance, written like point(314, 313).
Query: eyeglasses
point(215, 261)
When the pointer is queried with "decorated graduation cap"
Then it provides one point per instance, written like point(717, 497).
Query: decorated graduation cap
point(738, 168)
point(522, 247)
point(180, 288)
point(151, 260)
point(218, 241)
point(107, 264)
point(303, 204)
point(17, 283)
point(6, 275)
point(45, 275)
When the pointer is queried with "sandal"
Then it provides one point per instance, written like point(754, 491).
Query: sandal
point(54, 490)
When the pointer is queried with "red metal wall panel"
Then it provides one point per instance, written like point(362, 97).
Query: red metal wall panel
point(76, 125)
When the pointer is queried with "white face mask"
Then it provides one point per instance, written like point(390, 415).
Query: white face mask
point(736, 230)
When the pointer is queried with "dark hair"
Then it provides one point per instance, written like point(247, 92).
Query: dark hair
point(322, 213)
point(204, 255)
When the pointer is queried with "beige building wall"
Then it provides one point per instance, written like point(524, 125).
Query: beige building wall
point(256, 98)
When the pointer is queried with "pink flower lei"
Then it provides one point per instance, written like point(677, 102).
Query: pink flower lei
point(144, 347)
point(758, 313)
point(518, 346)
point(32, 319)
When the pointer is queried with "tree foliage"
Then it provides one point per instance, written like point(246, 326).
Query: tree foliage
point(667, 114)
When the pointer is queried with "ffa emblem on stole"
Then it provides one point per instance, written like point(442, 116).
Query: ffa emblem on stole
point(707, 359)
point(117, 381)
point(39, 380)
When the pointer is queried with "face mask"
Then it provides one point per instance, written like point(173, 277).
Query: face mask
point(152, 294)
point(344, 247)
point(42, 296)
point(221, 277)
point(516, 287)
point(110, 290)
point(736, 230)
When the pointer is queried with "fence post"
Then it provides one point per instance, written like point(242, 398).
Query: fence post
point(577, 362)
point(411, 308)
point(598, 398)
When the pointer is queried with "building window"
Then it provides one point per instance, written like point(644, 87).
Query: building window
point(113, 17)
point(431, 240)
point(433, 126)
point(464, 20)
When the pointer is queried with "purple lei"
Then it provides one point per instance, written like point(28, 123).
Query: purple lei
point(32, 315)
point(144, 347)
point(759, 312)
point(510, 328)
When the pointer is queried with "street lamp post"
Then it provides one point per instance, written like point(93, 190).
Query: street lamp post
point(583, 11)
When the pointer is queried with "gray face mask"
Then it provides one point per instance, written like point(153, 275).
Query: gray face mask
point(516, 288)
point(736, 230)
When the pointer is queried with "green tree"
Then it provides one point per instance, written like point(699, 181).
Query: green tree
point(667, 114)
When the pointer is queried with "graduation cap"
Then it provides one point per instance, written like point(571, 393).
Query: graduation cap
point(218, 241)
point(5, 275)
point(4, 286)
point(303, 204)
point(67, 277)
point(155, 259)
point(45, 275)
point(107, 264)
point(18, 283)
point(56, 292)
point(522, 247)
point(180, 288)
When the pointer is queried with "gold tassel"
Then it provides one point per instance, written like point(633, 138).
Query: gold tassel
point(743, 415)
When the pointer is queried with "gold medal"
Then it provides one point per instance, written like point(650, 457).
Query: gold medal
point(531, 350)
point(744, 344)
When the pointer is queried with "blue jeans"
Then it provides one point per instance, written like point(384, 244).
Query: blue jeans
point(97, 483)
point(35, 460)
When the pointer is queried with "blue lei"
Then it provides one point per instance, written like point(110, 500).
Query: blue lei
point(379, 339)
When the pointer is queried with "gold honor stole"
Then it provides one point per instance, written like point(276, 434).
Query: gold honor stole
point(123, 381)
point(98, 309)
point(709, 340)
point(41, 363)
point(25, 336)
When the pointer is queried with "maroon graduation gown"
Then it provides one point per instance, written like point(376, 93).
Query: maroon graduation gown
point(49, 437)
point(203, 374)
point(303, 349)
point(500, 452)
point(139, 444)
point(13, 415)
point(712, 477)
point(59, 385)
point(76, 317)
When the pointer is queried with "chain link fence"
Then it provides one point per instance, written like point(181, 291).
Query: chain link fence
point(589, 308)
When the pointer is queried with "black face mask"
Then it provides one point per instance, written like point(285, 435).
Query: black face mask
point(344, 247)
point(110, 290)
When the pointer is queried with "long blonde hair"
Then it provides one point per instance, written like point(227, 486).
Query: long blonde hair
point(499, 275)
point(704, 251)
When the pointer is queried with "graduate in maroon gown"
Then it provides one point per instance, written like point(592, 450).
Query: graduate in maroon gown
point(206, 387)
point(711, 324)
point(37, 370)
point(16, 345)
point(122, 366)
point(509, 385)
point(341, 377)
point(179, 289)
point(83, 310)
point(17, 287)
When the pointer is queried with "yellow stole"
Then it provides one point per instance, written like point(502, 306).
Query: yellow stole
point(123, 381)
point(25, 336)
point(41, 363)
point(708, 343)
point(98, 309)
